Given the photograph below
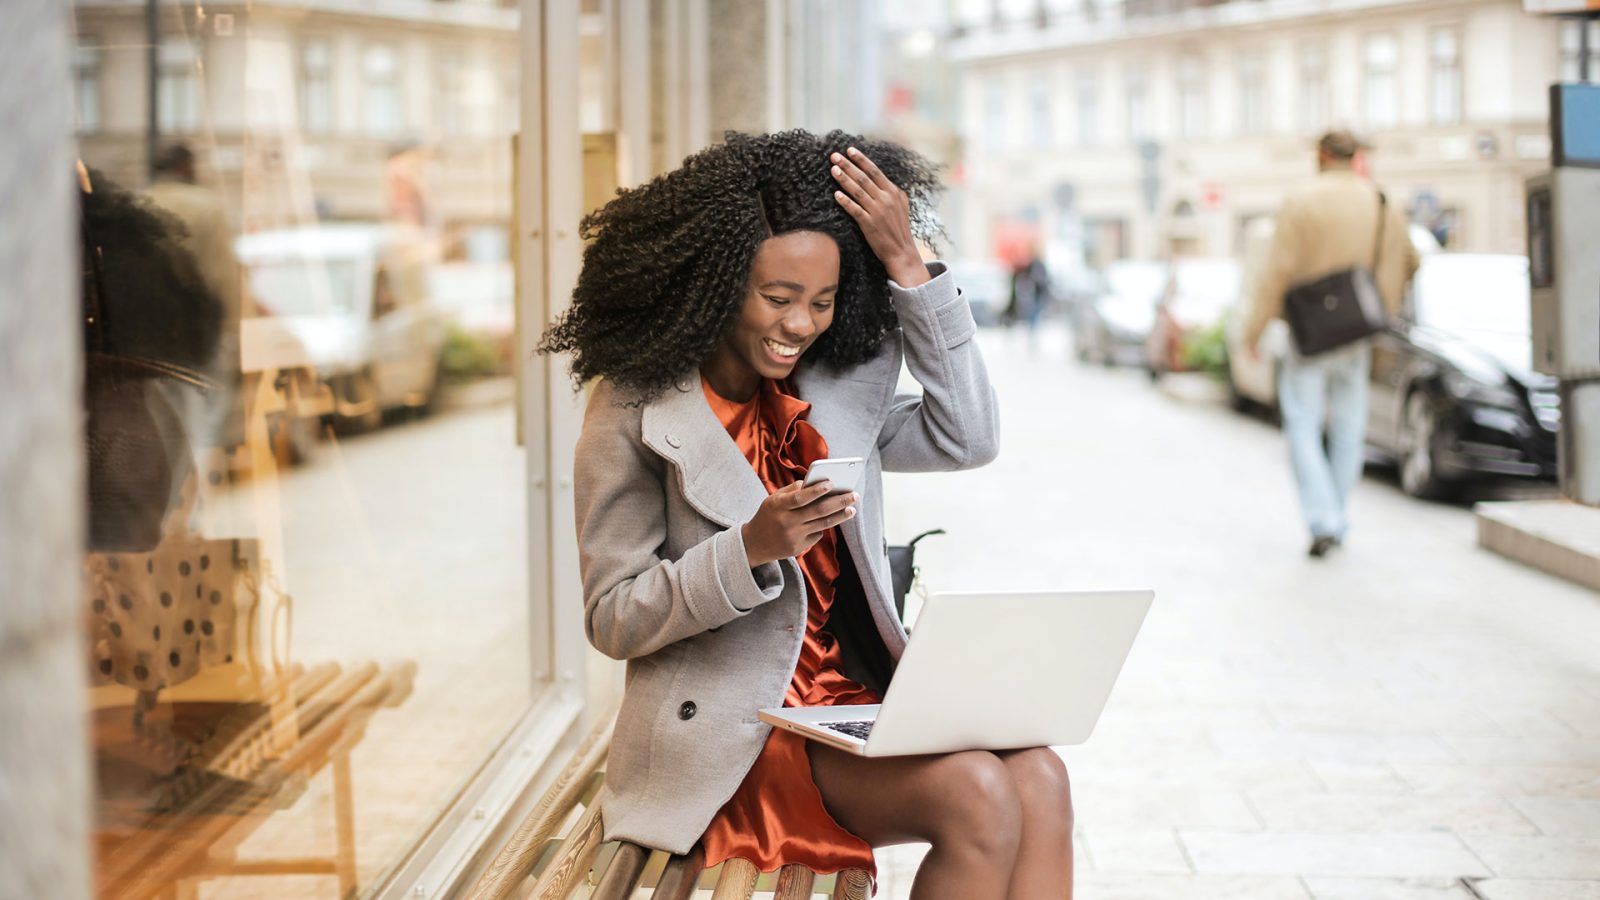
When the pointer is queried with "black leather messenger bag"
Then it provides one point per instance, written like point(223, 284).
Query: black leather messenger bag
point(1338, 309)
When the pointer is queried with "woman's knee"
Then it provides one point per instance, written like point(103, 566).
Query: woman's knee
point(1043, 785)
point(983, 808)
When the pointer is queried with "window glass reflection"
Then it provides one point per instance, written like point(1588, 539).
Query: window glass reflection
point(307, 594)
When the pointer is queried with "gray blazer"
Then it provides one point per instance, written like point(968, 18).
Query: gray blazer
point(661, 494)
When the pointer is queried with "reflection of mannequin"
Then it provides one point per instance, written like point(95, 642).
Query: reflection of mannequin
point(151, 326)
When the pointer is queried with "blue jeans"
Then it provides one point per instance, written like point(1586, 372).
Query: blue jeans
point(1330, 387)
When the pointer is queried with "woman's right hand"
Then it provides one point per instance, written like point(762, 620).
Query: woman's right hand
point(792, 519)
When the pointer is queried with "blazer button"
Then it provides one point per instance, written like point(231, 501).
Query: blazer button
point(683, 385)
point(687, 710)
point(673, 442)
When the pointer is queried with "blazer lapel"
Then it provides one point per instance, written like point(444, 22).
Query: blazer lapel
point(717, 480)
point(848, 408)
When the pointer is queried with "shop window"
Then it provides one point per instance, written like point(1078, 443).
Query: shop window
point(316, 601)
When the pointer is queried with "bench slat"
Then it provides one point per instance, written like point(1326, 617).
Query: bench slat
point(794, 883)
point(515, 861)
point(852, 884)
point(738, 880)
point(681, 876)
point(572, 864)
point(622, 875)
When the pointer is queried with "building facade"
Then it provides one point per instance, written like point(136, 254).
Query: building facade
point(1141, 129)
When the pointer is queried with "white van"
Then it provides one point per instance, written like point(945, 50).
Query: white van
point(350, 300)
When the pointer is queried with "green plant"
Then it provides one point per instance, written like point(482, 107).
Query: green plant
point(1205, 350)
point(466, 356)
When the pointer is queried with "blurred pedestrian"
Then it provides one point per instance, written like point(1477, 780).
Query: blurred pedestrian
point(1338, 221)
point(729, 309)
point(1030, 291)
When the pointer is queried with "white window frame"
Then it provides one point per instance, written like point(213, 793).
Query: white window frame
point(1253, 114)
point(178, 86)
point(1086, 101)
point(383, 105)
point(1570, 48)
point(1136, 107)
point(318, 99)
point(1446, 99)
point(1380, 80)
point(1311, 87)
point(1191, 94)
point(548, 203)
point(1041, 113)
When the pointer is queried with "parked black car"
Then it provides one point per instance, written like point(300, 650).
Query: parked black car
point(1454, 395)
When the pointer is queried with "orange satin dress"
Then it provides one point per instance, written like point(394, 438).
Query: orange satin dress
point(776, 817)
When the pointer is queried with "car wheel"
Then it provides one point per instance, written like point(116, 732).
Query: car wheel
point(356, 399)
point(293, 440)
point(1237, 401)
point(1419, 444)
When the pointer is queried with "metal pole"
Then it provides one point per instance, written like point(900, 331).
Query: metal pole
point(152, 38)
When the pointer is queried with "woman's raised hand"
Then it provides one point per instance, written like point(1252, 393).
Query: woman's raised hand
point(883, 211)
point(792, 519)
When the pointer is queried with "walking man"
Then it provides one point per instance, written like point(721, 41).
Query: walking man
point(1327, 225)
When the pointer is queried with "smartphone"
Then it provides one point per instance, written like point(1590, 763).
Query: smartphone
point(845, 473)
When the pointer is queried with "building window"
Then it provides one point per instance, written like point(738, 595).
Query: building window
point(316, 87)
point(1572, 50)
point(1043, 123)
point(1312, 92)
point(1191, 97)
point(178, 86)
point(382, 113)
point(1138, 101)
point(1088, 102)
point(995, 121)
point(450, 113)
point(1252, 94)
point(1379, 88)
point(86, 88)
point(1444, 76)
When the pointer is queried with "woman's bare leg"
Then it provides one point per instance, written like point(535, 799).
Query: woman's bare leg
point(1044, 857)
point(965, 805)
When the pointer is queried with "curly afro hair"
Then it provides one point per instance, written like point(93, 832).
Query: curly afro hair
point(666, 268)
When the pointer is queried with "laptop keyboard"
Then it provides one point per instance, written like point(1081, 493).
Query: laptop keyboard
point(858, 729)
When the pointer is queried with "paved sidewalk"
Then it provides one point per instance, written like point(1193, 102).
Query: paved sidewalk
point(1411, 719)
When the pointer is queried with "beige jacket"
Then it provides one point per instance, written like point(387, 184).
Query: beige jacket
point(661, 494)
point(1326, 225)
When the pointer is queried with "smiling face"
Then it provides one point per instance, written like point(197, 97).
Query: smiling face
point(788, 305)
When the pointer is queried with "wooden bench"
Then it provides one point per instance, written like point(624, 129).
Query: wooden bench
point(559, 860)
point(233, 784)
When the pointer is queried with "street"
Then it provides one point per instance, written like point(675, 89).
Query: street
point(1411, 717)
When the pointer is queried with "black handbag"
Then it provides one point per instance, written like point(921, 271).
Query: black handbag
point(903, 569)
point(1338, 309)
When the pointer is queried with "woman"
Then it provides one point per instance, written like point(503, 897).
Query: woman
point(747, 314)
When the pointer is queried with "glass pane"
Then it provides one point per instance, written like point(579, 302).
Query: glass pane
point(307, 597)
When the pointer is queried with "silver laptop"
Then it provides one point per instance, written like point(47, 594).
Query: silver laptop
point(990, 672)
